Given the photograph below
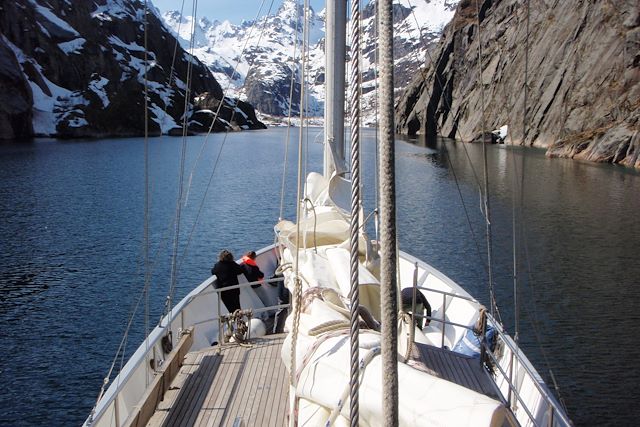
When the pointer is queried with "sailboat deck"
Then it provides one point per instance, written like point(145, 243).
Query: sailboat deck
point(233, 385)
point(457, 368)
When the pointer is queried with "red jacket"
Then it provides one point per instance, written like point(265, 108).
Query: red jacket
point(251, 271)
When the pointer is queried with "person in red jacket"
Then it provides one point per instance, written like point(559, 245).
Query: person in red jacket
point(251, 270)
point(253, 274)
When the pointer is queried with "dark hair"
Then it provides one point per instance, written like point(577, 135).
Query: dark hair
point(225, 255)
point(251, 254)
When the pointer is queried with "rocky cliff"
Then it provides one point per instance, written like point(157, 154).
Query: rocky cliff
point(582, 69)
point(75, 69)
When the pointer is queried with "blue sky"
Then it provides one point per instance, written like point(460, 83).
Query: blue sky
point(233, 10)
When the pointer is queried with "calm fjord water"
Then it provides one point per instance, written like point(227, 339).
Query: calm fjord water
point(71, 231)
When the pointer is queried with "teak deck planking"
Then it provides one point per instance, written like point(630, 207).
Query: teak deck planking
point(247, 385)
point(220, 386)
point(457, 368)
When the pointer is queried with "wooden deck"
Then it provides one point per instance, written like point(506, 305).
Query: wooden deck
point(236, 385)
point(457, 368)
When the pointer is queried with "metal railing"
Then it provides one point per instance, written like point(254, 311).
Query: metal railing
point(555, 411)
point(220, 317)
point(153, 339)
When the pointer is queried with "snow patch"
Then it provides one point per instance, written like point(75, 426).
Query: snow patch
point(97, 87)
point(112, 9)
point(53, 18)
point(73, 46)
point(165, 121)
point(115, 40)
point(77, 122)
point(43, 30)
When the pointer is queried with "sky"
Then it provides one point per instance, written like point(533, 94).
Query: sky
point(232, 10)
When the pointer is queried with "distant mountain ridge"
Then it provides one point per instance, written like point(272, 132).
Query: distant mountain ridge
point(263, 73)
point(78, 69)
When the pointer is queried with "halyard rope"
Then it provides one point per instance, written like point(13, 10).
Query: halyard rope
point(388, 249)
point(297, 284)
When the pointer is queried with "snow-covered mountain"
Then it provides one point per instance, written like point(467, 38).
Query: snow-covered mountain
point(255, 60)
point(73, 69)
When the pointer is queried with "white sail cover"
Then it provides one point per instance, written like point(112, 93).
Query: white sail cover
point(317, 253)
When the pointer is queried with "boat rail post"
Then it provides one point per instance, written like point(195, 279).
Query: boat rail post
point(219, 323)
point(510, 379)
point(412, 334)
point(444, 312)
point(249, 317)
point(483, 341)
point(116, 411)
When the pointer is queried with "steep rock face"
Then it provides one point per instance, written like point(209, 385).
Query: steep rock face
point(583, 78)
point(15, 97)
point(233, 114)
point(85, 65)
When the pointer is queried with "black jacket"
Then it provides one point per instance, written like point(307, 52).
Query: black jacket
point(227, 273)
point(251, 272)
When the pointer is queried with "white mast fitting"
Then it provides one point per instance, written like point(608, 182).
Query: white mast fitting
point(335, 55)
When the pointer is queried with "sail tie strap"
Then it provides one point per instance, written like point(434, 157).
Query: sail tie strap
point(361, 367)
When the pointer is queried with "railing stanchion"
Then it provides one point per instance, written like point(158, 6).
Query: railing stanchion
point(413, 305)
point(219, 323)
point(115, 410)
point(444, 323)
point(510, 379)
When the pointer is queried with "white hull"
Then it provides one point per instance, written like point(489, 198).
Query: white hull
point(199, 309)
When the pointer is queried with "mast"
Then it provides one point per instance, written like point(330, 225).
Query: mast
point(335, 54)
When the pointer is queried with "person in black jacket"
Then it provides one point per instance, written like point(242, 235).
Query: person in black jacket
point(284, 297)
point(422, 305)
point(226, 270)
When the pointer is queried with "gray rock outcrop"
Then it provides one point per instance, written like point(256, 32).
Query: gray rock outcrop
point(16, 98)
point(582, 78)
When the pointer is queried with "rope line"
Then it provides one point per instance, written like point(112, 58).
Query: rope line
point(486, 200)
point(388, 249)
point(147, 272)
point(286, 145)
point(221, 103)
point(218, 156)
point(183, 155)
point(297, 288)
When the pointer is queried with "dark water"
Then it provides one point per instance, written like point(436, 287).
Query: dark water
point(71, 233)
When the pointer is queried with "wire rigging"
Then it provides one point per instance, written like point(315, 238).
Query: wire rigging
point(291, 85)
point(486, 198)
point(147, 269)
point(354, 294)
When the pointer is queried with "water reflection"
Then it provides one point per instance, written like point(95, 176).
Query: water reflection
point(71, 230)
point(577, 234)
